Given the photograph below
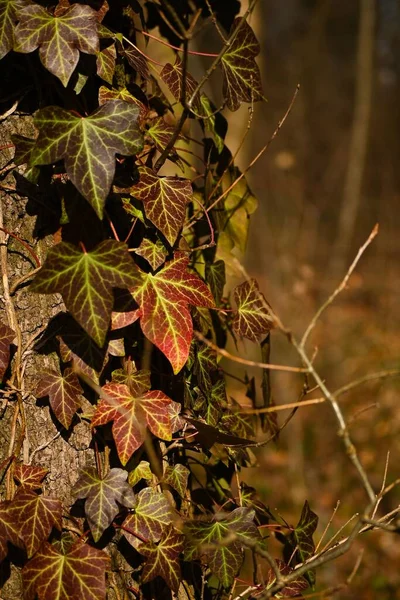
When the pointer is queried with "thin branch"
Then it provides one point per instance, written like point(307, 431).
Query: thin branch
point(277, 407)
point(327, 527)
point(366, 378)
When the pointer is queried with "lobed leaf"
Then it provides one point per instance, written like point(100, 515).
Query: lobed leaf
point(160, 133)
point(216, 279)
point(59, 38)
point(177, 477)
point(8, 20)
point(303, 537)
point(64, 393)
point(163, 558)
point(6, 337)
point(78, 574)
point(105, 63)
point(102, 495)
point(85, 281)
point(150, 518)
point(292, 589)
point(105, 95)
point(142, 471)
point(253, 319)
point(242, 81)
point(154, 253)
point(88, 145)
point(136, 60)
point(172, 75)
point(29, 477)
point(9, 529)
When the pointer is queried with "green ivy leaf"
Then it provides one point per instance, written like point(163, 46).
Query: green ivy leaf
point(204, 366)
point(102, 495)
point(242, 81)
point(85, 281)
point(88, 145)
point(220, 543)
point(154, 253)
point(164, 199)
point(160, 133)
point(142, 471)
point(105, 95)
point(36, 516)
point(29, 477)
point(215, 123)
point(8, 20)
point(59, 39)
point(6, 337)
point(77, 574)
point(105, 63)
point(177, 477)
point(163, 559)
point(152, 514)
point(163, 299)
point(64, 393)
point(216, 279)
point(131, 411)
point(253, 319)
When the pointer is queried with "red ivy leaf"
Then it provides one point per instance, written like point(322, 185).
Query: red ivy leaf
point(294, 588)
point(172, 75)
point(163, 558)
point(64, 394)
point(59, 39)
point(102, 496)
point(36, 516)
point(85, 281)
point(242, 81)
point(88, 145)
point(29, 477)
point(131, 414)
point(9, 529)
point(6, 337)
point(163, 299)
point(253, 319)
point(164, 199)
point(152, 515)
point(77, 575)
point(137, 60)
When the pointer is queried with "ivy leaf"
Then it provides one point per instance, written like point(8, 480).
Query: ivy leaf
point(36, 516)
point(163, 559)
point(172, 76)
point(242, 81)
point(150, 518)
point(8, 20)
point(29, 477)
point(102, 496)
point(238, 423)
point(105, 63)
point(177, 477)
point(164, 199)
point(130, 415)
point(85, 281)
point(64, 393)
point(303, 537)
point(142, 471)
point(88, 145)
point(216, 279)
point(137, 381)
point(215, 123)
point(59, 39)
point(154, 253)
point(220, 543)
point(163, 299)
point(9, 530)
point(160, 133)
point(105, 95)
point(136, 60)
point(6, 337)
point(253, 319)
point(78, 574)
point(204, 366)
point(292, 589)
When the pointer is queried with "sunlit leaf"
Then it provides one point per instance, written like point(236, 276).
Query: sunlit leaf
point(85, 281)
point(59, 39)
point(160, 133)
point(154, 253)
point(163, 558)
point(79, 574)
point(242, 81)
point(102, 495)
point(36, 516)
point(164, 199)
point(131, 414)
point(6, 337)
point(137, 381)
point(28, 476)
point(220, 543)
point(8, 21)
point(105, 63)
point(106, 94)
point(9, 529)
point(163, 299)
point(142, 471)
point(152, 514)
point(88, 145)
point(172, 75)
point(216, 279)
point(64, 393)
point(253, 319)
point(177, 477)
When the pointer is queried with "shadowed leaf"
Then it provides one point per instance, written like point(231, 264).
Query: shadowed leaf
point(163, 299)
point(85, 281)
point(105, 63)
point(242, 81)
point(164, 199)
point(253, 319)
point(79, 574)
point(59, 39)
point(150, 518)
point(88, 145)
point(131, 414)
point(154, 253)
point(177, 477)
point(294, 588)
point(9, 529)
point(8, 21)
point(136, 60)
point(303, 537)
point(102, 496)
point(216, 279)
point(64, 394)
point(29, 477)
point(163, 559)
point(6, 337)
point(215, 123)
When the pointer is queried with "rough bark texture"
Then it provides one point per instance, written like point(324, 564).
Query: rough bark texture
point(67, 453)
